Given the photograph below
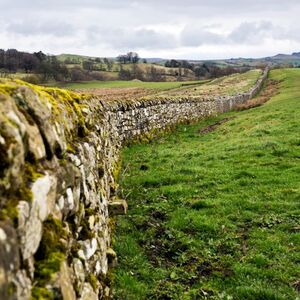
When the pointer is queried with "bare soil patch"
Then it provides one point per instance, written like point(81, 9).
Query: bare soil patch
point(213, 127)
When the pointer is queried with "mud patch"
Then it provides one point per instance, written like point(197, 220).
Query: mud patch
point(213, 127)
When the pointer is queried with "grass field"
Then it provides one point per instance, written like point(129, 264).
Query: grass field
point(127, 84)
point(215, 215)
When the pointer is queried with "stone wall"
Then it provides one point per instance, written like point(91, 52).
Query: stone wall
point(59, 163)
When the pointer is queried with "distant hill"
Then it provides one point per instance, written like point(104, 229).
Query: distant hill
point(41, 68)
point(278, 59)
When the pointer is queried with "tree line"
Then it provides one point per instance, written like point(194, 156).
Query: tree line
point(128, 58)
point(41, 67)
point(204, 70)
point(48, 66)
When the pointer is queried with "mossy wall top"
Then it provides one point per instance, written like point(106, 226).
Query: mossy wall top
point(59, 154)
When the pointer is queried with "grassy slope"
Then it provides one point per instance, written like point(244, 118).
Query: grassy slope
point(216, 216)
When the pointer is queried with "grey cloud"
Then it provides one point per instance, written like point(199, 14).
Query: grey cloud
point(251, 32)
point(128, 38)
point(289, 34)
point(254, 33)
point(29, 28)
point(247, 33)
point(193, 36)
point(168, 9)
point(126, 24)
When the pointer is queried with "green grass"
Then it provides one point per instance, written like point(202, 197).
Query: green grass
point(128, 84)
point(215, 216)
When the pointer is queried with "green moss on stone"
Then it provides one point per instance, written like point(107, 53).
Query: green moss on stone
point(51, 253)
point(117, 167)
point(92, 279)
point(10, 211)
point(39, 293)
point(49, 266)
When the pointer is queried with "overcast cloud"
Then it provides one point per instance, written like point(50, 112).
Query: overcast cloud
point(171, 28)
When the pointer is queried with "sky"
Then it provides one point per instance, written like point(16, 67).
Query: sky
point(180, 29)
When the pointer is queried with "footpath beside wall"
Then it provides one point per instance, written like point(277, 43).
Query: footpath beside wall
point(59, 163)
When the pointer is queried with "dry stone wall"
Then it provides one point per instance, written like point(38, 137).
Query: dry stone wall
point(59, 163)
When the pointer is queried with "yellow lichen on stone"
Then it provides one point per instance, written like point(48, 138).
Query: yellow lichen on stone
point(59, 99)
point(66, 106)
point(6, 88)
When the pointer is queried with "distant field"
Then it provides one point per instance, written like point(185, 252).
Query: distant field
point(214, 214)
point(128, 84)
point(223, 85)
point(228, 85)
point(134, 89)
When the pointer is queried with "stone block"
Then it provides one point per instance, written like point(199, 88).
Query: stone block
point(117, 207)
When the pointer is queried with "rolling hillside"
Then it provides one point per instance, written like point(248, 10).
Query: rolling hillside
point(214, 207)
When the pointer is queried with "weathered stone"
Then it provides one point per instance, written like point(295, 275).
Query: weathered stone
point(70, 199)
point(65, 283)
point(111, 257)
point(41, 114)
point(89, 247)
point(9, 259)
point(88, 293)
point(23, 285)
point(79, 273)
point(117, 207)
point(91, 221)
point(44, 193)
point(12, 149)
point(32, 215)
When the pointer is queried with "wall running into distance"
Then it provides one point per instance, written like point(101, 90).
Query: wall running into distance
point(59, 162)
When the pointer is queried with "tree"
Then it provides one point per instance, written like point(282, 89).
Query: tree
point(88, 65)
point(40, 55)
point(77, 74)
point(29, 62)
point(68, 61)
point(129, 57)
point(109, 63)
point(2, 58)
point(122, 58)
point(200, 71)
point(155, 75)
point(12, 60)
point(173, 63)
point(124, 74)
point(134, 58)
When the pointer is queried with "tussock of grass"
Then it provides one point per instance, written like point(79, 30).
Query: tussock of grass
point(216, 215)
